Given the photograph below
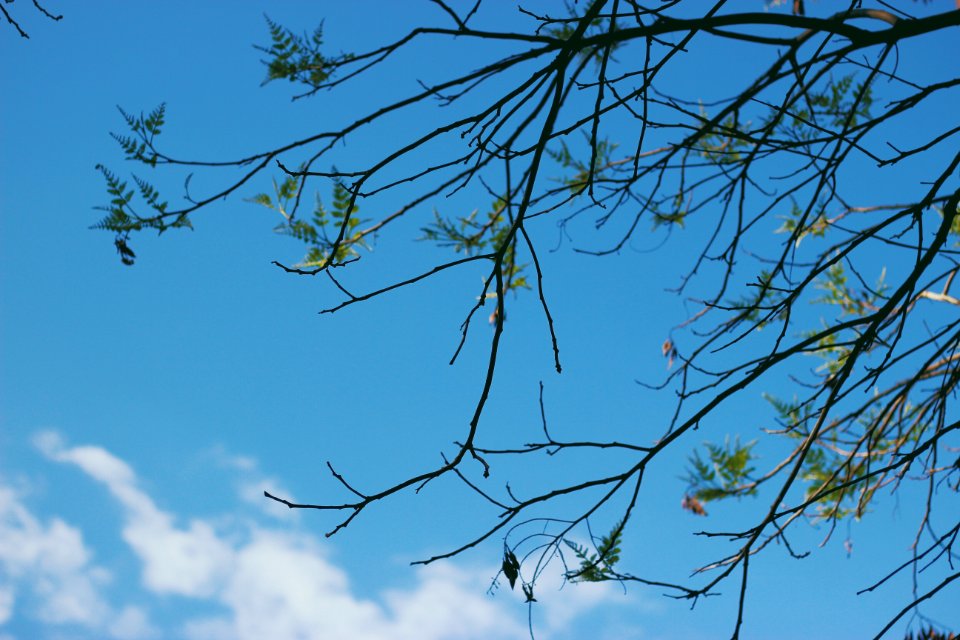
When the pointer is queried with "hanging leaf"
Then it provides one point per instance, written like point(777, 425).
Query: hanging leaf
point(127, 256)
point(694, 506)
point(510, 567)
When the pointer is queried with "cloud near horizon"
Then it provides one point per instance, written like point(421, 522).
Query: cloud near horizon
point(46, 568)
point(258, 581)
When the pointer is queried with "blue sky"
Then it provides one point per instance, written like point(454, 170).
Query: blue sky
point(144, 410)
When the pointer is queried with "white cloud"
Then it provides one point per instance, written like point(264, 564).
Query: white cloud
point(450, 603)
point(6, 602)
point(132, 623)
point(251, 488)
point(560, 607)
point(252, 482)
point(282, 585)
point(50, 562)
point(189, 562)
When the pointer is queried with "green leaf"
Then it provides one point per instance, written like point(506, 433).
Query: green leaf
point(723, 474)
point(598, 567)
point(297, 57)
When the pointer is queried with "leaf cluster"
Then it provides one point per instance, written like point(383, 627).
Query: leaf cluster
point(597, 566)
point(723, 473)
point(763, 296)
point(297, 57)
point(473, 234)
point(781, 143)
point(853, 302)
point(564, 30)
point(790, 414)
point(795, 223)
point(838, 104)
point(122, 218)
point(930, 633)
point(144, 129)
point(320, 231)
point(583, 169)
point(723, 143)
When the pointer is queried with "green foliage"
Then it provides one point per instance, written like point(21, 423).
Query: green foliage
point(764, 296)
point(117, 218)
point(822, 111)
point(671, 211)
point(791, 415)
point(473, 234)
point(833, 353)
point(464, 234)
point(830, 107)
point(800, 137)
point(565, 29)
point(320, 232)
point(929, 633)
point(599, 566)
point(591, 166)
point(851, 301)
point(723, 143)
point(794, 224)
point(823, 471)
point(669, 218)
point(823, 468)
point(954, 224)
point(829, 470)
point(145, 129)
point(284, 194)
point(725, 472)
point(121, 217)
point(955, 227)
point(297, 58)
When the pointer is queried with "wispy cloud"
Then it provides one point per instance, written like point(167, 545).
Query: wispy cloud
point(255, 581)
point(47, 569)
point(50, 562)
point(189, 561)
point(279, 584)
point(251, 482)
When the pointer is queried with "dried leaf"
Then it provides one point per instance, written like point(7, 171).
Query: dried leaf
point(694, 506)
point(510, 567)
point(667, 347)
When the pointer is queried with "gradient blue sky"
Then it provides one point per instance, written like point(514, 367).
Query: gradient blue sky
point(143, 410)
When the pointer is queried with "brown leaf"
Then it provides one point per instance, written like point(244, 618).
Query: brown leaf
point(694, 506)
point(669, 351)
